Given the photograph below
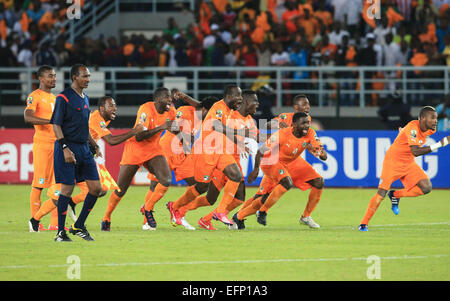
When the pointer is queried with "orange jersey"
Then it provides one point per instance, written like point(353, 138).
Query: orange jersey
point(212, 139)
point(400, 151)
point(237, 121)
point(149, 117)
point(98, 126)
point(189, 123)
point(285, 147)
point(42, 103)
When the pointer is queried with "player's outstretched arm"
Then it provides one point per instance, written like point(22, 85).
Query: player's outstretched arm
point(191, 101)
point(117, 139)
point(29, 117)
point(420, 151)
point(150, 133)
point(254, 174)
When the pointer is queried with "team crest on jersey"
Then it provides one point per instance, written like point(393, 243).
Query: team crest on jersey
point(206, 178)
point(304, 144)
point(219, 113)
point(103, 125)
point(179, 114)
point(283, 117)
point(295, 151)
point(41, 180)
point(413, 134)
point(281, 171)
point(30, 100)
point(57, 193)
point(143, 117)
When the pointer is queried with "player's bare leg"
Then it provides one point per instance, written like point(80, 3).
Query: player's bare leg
point(283, 186)
point(313, 199)
point(234, 175)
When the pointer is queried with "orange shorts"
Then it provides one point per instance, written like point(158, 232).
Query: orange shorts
point(43, 176)
point(302, 172)
point(54, 190)
point(219, 179)
point(409, 175)
point(275, 172)
point(205, 164)
point(266, 186)
point(131, 156)
point(182, 165)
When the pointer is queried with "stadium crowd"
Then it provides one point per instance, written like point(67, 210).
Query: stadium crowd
point(249, 33)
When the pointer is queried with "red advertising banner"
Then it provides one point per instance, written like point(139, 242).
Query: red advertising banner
point(16, 156)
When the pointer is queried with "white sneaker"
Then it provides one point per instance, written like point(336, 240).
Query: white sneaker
point(185, 224)
point(232, 227)
point(71, 213)
point(146, 226)
point(308, 221)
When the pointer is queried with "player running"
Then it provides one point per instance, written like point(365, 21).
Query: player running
point(304, 176)
point(274, 156)
point(399, 163)
point(241, 119)
point(144, 150)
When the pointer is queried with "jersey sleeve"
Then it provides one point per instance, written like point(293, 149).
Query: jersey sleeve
point(32, 101)
point(144, 117)
point(99, 128)
point(59, 111)
point(411, 133)
point(313, 138)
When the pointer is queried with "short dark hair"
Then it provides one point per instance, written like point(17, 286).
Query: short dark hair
point(209, 101)
point(228, 89)
point(299, 115)
point(75, 70)
point(298, 97)
point(159, 92)
point(43, 69)
point(102, 100)
point(248, 92)
point(425, 110)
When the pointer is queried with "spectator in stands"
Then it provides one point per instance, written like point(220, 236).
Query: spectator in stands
point(113, 54)
point(382, 30)
point(46, 56)
point(345, 56)
point(61, 51)
point(279, 57)
point(249, 59)
point(441, 32)
point(229, 16)
point(210, 39)
point(426, 12)
point(446, 51)
point(172, 27)
point(367, 57)
point(149, 55)
point(309, 24)
point(402, 34)
point(405, 53)
point(25, 56)
point(8, 57)
point(337, 34)
point(36, 13)
point(391, 54)
point(230, 58)
point(352, 15)
point(195, 52)
point(264, 54)
point(299, 57)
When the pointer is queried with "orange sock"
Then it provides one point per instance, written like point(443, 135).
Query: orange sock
point(199, 201)
point(114, 199)
point(274, 196)
point(208, 217)
point(373, 206)
point(234, 204)
point(249, 209)
point(45, 209)
point(35, 200)
point(248, 202)
point(415, 191)
point(159, 192)
point(229, 191)
point(190, 194)
point(313, 200)
point(54, 217)
point(148, 195)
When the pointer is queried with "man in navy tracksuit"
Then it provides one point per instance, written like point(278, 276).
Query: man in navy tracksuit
point(73, 159)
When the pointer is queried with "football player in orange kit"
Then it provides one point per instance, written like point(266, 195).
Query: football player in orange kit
point(39, 109)
point(399, 163)
point(144, 150)
point(274, 156)
point(304, 176)
point(240, 119)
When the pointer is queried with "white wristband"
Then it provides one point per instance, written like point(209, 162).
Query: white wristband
point(435, 146)
point(445, 141)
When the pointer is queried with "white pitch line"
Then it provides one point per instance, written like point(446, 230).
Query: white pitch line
point(125, 264)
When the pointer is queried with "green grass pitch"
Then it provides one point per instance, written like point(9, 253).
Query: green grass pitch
point(414, 245)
